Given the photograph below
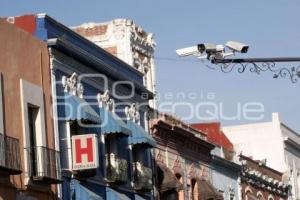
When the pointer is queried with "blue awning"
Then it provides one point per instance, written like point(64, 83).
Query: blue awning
point(112, 123)
point(139, 135)
point(78, 109)
point(114, 195)
point(79, 192)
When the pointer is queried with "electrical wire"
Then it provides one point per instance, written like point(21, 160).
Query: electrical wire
point(170, 59)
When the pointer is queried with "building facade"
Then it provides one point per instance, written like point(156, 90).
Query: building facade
point(281, 150)
point(127, 41)
point(29, 161)
point(225, 173)
point(99, 104)
point(261, 182)
point(182, 157)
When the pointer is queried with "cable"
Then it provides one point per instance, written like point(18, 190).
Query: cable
point(176, 59)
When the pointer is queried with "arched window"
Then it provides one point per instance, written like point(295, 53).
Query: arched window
point(181, 192)
point(194, 191)
point(270, 197)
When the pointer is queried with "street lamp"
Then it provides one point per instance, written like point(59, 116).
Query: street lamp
point(217, 56)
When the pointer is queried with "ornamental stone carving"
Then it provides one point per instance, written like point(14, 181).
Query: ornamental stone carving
point(159, 158)
point(132, 113)
point(72, 86)
point(192, 171)
point(104, 101)
point(177, 168)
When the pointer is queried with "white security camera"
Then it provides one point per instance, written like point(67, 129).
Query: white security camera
point(188, 51)
point(207, 47)
point(210, 48)
point(237, 46)
point(213, 51)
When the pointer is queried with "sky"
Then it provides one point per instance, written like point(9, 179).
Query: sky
point(186, 86)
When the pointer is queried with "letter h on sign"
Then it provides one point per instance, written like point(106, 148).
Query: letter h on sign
point(88, 150)
point(85, 152)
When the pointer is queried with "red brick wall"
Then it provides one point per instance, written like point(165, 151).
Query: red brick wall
point(91, 31)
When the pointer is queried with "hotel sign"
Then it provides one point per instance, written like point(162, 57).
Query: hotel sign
point(85, 152)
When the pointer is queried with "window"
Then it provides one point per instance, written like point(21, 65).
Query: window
point(1, 107)
point(32, 117)
point(111, 144)
point(34, 128)
point(140, 154)
point(231, 196)
point(181, 192)
point(194, 191)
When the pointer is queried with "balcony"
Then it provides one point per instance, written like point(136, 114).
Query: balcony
point(142, 177)
point(44, 165)
point(116, 169)
point(10, 155)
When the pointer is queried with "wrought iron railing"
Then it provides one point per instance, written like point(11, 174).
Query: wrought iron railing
point(116, 169)
point(43, 163)
point(10, 160)
point(142, 177)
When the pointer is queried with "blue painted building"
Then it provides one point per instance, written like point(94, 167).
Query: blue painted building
point(225, 175)
point(96, 93)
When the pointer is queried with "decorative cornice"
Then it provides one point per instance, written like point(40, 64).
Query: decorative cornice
point(290, 141)
point(72, 86)
point(183, 145)
point(105, 102)
point(265, 182)
point(139, 36)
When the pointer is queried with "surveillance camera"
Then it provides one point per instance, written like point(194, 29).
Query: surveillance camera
point(188, 51)
point(237, 46)
point(207, 47)
point(210, 48)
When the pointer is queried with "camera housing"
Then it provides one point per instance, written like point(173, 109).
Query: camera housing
point(237, 46)
point(188, 51)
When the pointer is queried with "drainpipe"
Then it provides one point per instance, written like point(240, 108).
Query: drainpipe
point(54, 111)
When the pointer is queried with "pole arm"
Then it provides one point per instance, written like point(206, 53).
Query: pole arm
point(256, 60)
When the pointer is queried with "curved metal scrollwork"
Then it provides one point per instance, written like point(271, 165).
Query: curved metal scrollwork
point(257, 67)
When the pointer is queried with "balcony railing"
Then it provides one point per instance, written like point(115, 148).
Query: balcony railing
point(142, 177)
point(10, 155)
point(116, 169)
point(44, 164)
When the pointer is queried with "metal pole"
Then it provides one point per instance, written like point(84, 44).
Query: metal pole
point(256, 60)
